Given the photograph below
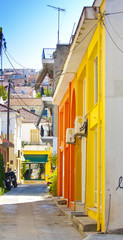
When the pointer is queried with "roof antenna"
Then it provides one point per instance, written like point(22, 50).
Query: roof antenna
point(72, 33)
point(59, 10)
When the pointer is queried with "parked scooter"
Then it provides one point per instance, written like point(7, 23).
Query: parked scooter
point(7, 181)
point(13, 178)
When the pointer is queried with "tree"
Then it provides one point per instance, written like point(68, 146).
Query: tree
point(2, 171)
point(53, 185)
point(24, 167)
point(38, 95)
point(3, 93)
point(54, 160)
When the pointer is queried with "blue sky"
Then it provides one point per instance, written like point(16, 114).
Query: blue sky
point(29, 26)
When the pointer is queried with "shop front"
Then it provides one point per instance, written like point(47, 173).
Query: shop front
point(37, 166)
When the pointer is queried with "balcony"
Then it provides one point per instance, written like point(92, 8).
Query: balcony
point(46, 91)
point(47, 56)
point(46, 134)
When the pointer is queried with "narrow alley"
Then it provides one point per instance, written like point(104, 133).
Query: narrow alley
point(27, 213)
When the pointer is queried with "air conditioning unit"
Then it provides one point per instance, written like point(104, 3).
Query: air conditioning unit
point(80, 126)
point(70, 135)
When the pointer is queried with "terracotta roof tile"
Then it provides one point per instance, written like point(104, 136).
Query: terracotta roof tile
point(3, 108)
point(29, 117)
point(6, 143)
point(25, 101)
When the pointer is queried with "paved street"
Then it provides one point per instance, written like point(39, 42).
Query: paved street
point(27, 213)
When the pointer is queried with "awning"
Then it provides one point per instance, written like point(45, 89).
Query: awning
point(39, 158)
point(5, 143)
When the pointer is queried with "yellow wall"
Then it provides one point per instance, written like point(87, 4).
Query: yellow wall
point(96, 119)
point(47, 171)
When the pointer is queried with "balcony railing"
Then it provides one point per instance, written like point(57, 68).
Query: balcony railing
point(46, 91)
point(48, 53)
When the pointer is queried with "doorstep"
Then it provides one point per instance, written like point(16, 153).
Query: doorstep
point(79, 219)
point(85, 224)
point(79, 206)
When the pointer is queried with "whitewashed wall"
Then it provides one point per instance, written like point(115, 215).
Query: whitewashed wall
point(114, 115)
point(26, 127)
point(14, 128)
point(3, 116)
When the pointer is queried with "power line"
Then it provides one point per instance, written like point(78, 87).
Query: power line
point(21, 98)
point(84, 37)
point(114, 28)
point(112, 39)
point(102, 15)
point(22, 77)
point(114, 13)
point(15, 60)
point(9, 60)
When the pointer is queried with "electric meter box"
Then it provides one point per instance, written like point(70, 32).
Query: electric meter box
point(69, 135)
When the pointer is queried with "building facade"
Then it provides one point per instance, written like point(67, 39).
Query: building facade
point(90, 99)
point(15, 129)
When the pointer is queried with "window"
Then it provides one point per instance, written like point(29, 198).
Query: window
point(45, 113)
point(96, 80)
point(95, 168)
point(100, 73)
point(84, 97)
point(32, 110)
point(35, 136)
point(100, 166)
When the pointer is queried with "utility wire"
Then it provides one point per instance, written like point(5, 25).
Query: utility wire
point(9, 60)
point(112, 39)
point(84, 37)
point(58, 75)
point(12, 64)
point(15, 60)
point(114, 13)
point(114, 28)
point(21, 99)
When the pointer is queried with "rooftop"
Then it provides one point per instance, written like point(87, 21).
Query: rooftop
point(29, 117)
point(3, 108)
point(25, 101)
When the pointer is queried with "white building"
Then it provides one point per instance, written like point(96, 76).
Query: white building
point(15, 132)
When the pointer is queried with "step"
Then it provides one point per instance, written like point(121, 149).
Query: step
point(79, 206)
point(62, 202)
point(77, 214)
point(85, 224)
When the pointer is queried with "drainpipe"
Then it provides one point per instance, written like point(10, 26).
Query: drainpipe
point(69, 147)
point(99, 172)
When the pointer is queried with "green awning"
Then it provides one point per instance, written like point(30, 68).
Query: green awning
point(36, 158)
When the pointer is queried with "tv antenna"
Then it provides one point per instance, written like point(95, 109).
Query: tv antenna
point(59, 10)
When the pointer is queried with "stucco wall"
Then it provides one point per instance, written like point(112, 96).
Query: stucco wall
point(59, 58)
point(114, 115)
point(4, 123)
point(26, 127)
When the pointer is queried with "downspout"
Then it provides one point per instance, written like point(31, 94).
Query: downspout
point(68, 204)
point(99, 172)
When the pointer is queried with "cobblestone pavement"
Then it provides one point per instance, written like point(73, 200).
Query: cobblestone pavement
point(27, 213)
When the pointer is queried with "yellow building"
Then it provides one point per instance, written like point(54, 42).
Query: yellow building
point(92, 60)
point(38, 163)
